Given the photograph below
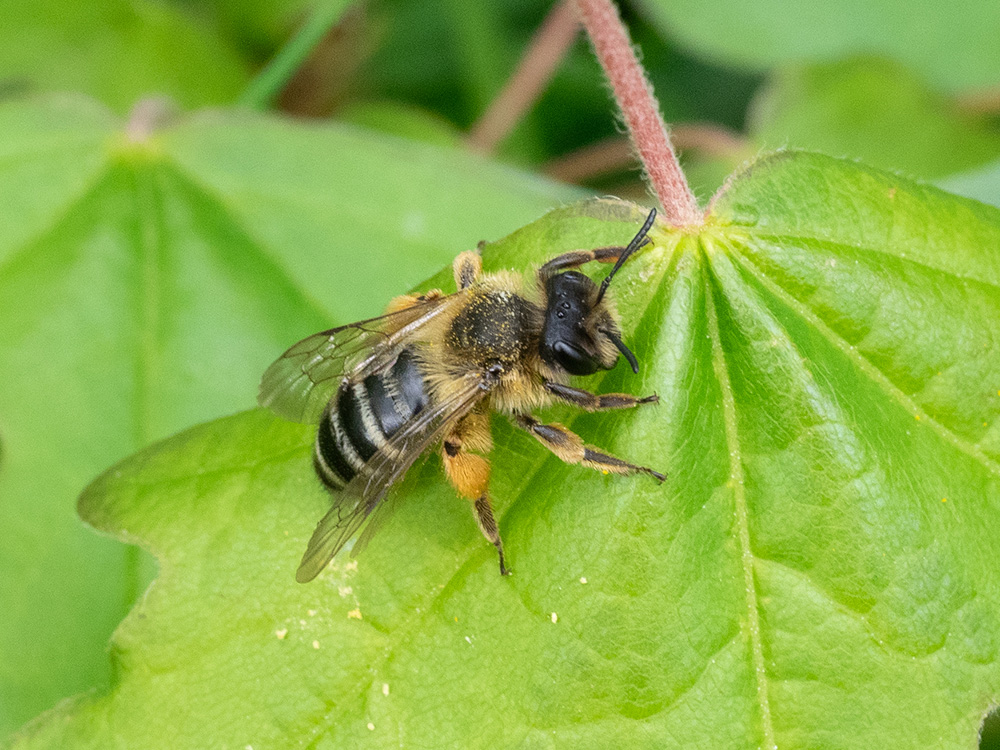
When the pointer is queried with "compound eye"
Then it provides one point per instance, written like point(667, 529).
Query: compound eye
point(573, 359)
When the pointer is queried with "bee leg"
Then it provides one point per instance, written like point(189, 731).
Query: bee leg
point(576, 258)
point(469, 472)
point(569, 447)
point(593, 402)
point(468, 267)
point(488, 525)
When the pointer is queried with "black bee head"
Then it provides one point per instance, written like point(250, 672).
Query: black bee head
point(580, 333)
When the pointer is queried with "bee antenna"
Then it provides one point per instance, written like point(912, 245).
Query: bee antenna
point(638, 241)
point(623, 349)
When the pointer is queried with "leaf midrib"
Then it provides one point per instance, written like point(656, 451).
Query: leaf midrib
point(736, 480)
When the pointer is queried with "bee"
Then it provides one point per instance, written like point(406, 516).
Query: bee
point(431, 370)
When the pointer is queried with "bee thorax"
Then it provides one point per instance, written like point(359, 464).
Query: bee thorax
point(492, 330)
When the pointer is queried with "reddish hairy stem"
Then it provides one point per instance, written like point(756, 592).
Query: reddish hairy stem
point(547, 49)
point(640, 110)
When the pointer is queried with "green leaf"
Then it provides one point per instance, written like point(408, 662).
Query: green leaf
point(144, 286)
point(873, 110)
point(951, 44)
point(403, 120)
point(819, 570)
point(116, 50)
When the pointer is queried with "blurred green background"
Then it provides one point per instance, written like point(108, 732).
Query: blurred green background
point(907, 85)
point(911, 86)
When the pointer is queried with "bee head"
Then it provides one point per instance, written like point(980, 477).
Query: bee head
point(580, 333)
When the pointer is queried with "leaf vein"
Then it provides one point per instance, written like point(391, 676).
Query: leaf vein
point(258, 245)
point(874, 373)
point(835, 246)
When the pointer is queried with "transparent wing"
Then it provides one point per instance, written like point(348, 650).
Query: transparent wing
point(364, 494)
point(298, 385)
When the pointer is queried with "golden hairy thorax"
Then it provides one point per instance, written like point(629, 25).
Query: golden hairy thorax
point(495, 327)
point(498, 326)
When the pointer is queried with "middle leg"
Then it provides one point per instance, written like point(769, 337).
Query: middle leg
point(569, 447)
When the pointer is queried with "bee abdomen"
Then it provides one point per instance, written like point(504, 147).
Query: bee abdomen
point(362, 417)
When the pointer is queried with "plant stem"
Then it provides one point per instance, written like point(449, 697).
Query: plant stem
point(980, 102)
point(609, 155)
point(268, 83)
point(546, 50)
point(640, 110)
point(147, 116)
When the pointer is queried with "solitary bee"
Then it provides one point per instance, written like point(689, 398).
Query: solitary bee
point(433, 368)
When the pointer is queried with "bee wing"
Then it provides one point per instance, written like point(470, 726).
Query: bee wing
point(298, 385)
point(364, 494)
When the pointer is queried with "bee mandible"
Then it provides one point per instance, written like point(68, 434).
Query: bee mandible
point(432, 369)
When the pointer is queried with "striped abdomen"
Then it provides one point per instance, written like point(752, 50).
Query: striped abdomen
point(362, 416)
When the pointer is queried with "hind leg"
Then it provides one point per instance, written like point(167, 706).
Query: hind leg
point(469, 473)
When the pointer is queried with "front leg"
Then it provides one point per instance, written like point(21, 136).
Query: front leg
point(467, 268)
point(569, 447)
point(592, 401)
point(576, 258)
point(616, 254)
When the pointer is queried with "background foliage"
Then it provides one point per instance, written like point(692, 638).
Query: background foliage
point(153, 261)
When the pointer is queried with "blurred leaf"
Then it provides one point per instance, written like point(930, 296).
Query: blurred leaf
point(261, 25)
point(952, 44)
point(404, 120)
point(144, 286)
point(983, 184)
point(819, 570)
point(873, 110)
point(116, 50)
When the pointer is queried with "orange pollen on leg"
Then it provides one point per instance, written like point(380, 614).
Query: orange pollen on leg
point(469, 473)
